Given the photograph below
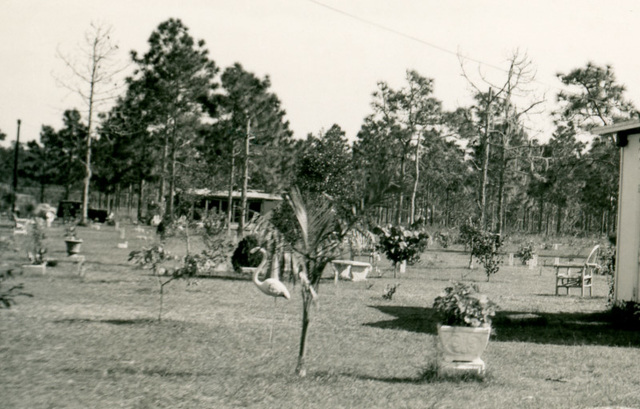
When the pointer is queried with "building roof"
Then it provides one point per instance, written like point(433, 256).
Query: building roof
point(220, 194)
point(626, 127)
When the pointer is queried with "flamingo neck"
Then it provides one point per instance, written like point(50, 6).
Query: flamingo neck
point(261, 266)
point(256, 280)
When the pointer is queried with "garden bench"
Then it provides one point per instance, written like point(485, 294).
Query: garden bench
point(350, 270)
point(577, 275)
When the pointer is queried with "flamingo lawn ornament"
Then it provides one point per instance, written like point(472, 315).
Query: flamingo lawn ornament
point(271, 286)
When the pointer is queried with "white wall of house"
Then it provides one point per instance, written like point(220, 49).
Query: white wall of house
point(628, 241)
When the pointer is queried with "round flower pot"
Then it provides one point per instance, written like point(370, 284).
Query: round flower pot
point(73, 246)
point(461, 348)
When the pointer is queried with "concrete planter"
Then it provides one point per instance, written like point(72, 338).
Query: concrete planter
point(461, 348)
point(34, 269)
point(73, 246)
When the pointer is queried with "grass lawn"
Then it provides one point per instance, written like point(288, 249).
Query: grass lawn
point(94, 341)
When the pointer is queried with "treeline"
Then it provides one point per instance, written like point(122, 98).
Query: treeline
point(183, 122)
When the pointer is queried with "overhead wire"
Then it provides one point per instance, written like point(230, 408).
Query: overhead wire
point(418, 40)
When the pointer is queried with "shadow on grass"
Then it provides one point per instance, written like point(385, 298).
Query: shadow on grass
point(125, 370)
point(135, 321)
point(597, 328)
point(428, 375)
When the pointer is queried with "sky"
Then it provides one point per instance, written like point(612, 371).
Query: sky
point(324, 57)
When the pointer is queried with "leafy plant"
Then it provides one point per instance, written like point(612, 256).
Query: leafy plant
point(152, 258)
point(71, 233)
point(526, 252)
point(8, 295)
point(462, 305)
point(400, 244)
point(314, 232)
point(38, 250)
point(242, 256)
point(608, 268)
point(626, 314)
point(468, 233)
point(485, 248)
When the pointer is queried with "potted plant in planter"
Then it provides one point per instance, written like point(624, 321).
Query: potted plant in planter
point(72, 241)
point(464, 327)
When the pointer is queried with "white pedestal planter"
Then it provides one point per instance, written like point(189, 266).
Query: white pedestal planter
point(460, 349)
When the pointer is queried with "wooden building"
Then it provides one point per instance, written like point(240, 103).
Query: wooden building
point(207, 201)
point(627, 280)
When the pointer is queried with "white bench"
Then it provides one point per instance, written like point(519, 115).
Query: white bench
point(350, 270)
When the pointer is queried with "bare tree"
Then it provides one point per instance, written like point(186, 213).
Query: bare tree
point(92, 70)
point(502, 122)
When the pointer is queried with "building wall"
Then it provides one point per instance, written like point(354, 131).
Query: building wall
point(628, 242)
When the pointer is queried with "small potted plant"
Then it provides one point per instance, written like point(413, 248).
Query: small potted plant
point(72, 241)
point(464, 326)
point(526, 252)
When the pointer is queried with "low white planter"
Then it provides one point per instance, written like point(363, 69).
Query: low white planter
point(34, 269)
point(462, 347)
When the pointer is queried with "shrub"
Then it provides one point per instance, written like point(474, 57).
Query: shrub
point(242, 257)
point(400, 244)
point(8, 295)
point(608, 268)
point(485, 247)
point(526, 252)
point(37, 253)
point(462, 305)
point(626, 314)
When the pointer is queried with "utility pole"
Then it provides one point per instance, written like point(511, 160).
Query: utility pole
point(15, 171)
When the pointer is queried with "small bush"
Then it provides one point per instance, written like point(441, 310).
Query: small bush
point(626, 314)
point(526, 252)
point(485, 247)
point(242, 257)
point(400, 244)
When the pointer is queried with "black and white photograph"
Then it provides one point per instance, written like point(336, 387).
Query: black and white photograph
point(319, 204)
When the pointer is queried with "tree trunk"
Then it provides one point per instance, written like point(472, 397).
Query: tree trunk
point(400, 193)
point(245, 181)
point(172, 175)
point(140, 197)
point(42, 188)
point(559, 220)
point(540, 214)
point(307, 300)
point(230, 202)
point(485, 165)
point(129, 200)
point(163, 170)
point(414, 191)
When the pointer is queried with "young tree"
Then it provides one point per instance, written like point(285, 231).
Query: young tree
point(93, 80)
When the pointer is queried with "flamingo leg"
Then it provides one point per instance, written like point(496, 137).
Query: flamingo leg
point(273, 319)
